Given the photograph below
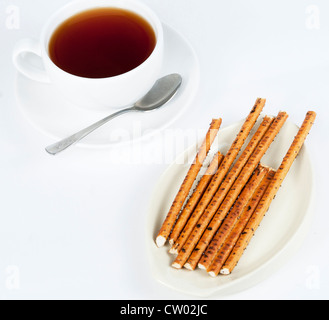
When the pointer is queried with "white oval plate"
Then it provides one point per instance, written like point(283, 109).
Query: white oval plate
point(278, 237)
point(55, 117)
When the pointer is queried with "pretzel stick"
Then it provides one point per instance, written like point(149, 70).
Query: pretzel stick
point(229, 179)
point(220, 175)
point(188, 183)
point(196, 196)
point(230, 242)
point(210, 227)
point(230, 221)
point(193, 243)
point(228, 183)
point(269, 195)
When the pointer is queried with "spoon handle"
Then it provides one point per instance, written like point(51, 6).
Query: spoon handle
point(64, 144)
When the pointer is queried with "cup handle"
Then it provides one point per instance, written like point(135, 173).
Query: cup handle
point(23, 62)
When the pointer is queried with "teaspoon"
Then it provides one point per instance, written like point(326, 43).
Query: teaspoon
point(162, 91)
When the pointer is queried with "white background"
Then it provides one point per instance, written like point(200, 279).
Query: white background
point(72, 226)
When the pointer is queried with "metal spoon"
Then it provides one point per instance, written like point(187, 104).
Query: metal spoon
point(163, 90)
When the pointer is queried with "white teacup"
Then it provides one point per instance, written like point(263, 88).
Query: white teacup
point(114, 92)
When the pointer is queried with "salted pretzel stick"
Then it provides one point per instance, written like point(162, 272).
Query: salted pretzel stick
point(220, 175)
point(231, 240)
point(231, 219)
point(196, 196)
point(188, 183)
point(269, 195)
point(228, 181)
point(211, 220)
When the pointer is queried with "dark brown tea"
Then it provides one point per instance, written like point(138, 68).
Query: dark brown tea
point(101, 43)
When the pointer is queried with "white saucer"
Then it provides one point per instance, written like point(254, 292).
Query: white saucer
point(279, 236)
point(52, 115)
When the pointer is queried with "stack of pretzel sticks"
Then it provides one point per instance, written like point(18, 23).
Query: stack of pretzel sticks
point(212, 228)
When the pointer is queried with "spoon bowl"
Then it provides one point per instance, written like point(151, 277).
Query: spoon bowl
point(162, 92)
